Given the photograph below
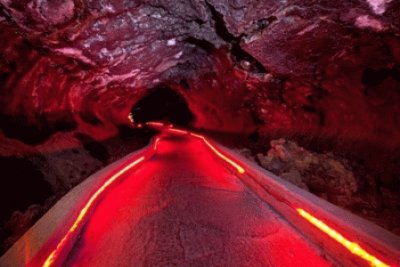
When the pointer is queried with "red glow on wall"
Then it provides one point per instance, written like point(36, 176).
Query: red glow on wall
point(351, 246)
point(82, 214)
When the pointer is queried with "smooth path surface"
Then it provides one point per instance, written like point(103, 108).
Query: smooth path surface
point(184, 207)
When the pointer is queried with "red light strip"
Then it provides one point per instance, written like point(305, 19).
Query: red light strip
point(153, 123)
point(54, 254)
point(177, 131)
point(351, 246)
point(156, 143)
point(239, 168)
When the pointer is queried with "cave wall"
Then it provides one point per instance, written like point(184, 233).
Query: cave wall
point(306, 68)
point(327, 68)
point(323, 73)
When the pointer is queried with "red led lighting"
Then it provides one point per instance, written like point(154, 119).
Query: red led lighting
point(351, 246)
point(239, 168)
point(177, 131)
point(154, 123)
point(60, 246)
point(156, 143)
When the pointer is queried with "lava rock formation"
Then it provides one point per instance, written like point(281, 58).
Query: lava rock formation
point(325, 74)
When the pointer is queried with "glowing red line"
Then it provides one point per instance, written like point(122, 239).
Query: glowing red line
point(198, 136)
point(54, 254)
point(156, 143)
point(178, 131)
point(153, 123)
point(351, 246)
point(239, 168)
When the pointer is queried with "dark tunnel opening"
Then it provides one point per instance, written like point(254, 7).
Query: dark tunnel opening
point(162, 104)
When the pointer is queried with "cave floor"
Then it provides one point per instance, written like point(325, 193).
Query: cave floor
point(183, 207)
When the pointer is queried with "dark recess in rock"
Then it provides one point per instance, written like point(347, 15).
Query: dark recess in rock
point(202, 44)
point(236, 50)
point(374, 77)
point(162, 104)
point(21, 185)
point(95, 148)
point(32, 134)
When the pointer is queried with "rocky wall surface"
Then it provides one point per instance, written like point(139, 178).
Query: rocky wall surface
point(323, 73)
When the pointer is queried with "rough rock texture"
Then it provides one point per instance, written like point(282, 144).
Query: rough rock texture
point(323, 73)
point(35, 177)
point(319, 173)
point(322, 59)
point(334, 179)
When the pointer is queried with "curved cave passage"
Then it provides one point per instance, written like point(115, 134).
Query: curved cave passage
point(280, 98)
point(162, 104)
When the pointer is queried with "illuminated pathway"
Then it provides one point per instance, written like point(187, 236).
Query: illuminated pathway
point(184, 207)
point(182, 201)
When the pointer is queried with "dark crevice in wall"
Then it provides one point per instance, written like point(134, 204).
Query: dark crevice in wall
point(237, 52)
point(90, 118)
point(261, 24)
point(319, 113)
point(254, 136)
point(95, 149)
point(185, 84)
point(17, 127)
point(374, 77)
point(21, 185)
point(202, 44)
point(4, 14)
